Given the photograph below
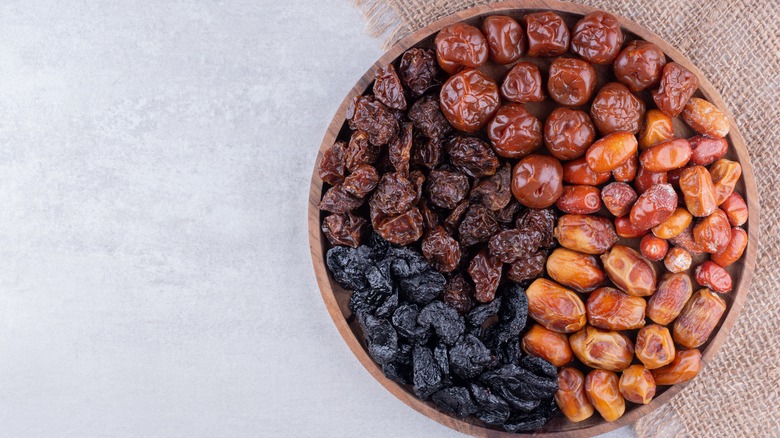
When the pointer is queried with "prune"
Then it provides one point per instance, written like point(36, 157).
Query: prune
point(473, 156)
point(576, 270)
point(332, 164)
point(637, 384)
point(602, 349)
point(469, 99)
point(684, 367)
point(460, 45)
point(372, 116)
point(388, 306)
point(547, 34)
point(418, 70)
point(527, 268)
point(609, 152)
point(597, 38)
point(361, 181)
point(360, 151)
point(441, 357)
point(725, 175)
point(539, 367)
point(707, 150)
point(618, 197)
point(492, 409)
point(422, 288)
point(381, 338)
point(366, 300)
point(483, 312)
point(532, 420)
point(394, 194)
point(347, 267)
point(445, 320)
point(710, 275)
point(579, 199)
point(547, 344)
point(540, 220)
point(653, 206)
point(523, 84)
point(478, 225)
point(521, 389)
point(555, 307)
point(514, 131)
point(705, 118)
point(427, 118)
point(571, 397)
point(406, 262)
point(615, 108)
point(397, 372)
point(401, 229)
point(646, 179)
point(657, 129)
point(698, 319)
point(733, 251)
point(654, 346)
point(667, 302)
point(494, 192)
point(537, 181)
point(441, 250)
point(511, 245)
point(426, 375)
point(485, 272)
point(585, 233)
point(511, 317)
point(677, 86)
point(568, 133)
point(344, 229)
point(626, 172)
point(629, 271)
point(666, 156)
point(455, 400)
point(505, 38)
point(337, 200)
point(468, 357)
point(639, 65)
point(388, 88)
point(653, 248)
point(577, 172)
point(571, 82)
point(405, 321)
point(453, 220)
point(399, 150)
point(446, 189)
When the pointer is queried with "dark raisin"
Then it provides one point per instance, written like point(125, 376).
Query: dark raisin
point(441, 250)
point(401, 229)
point(347, 267)
point(344, 229)
point(473, 156)
point(541, 220)
point(483, 312)
point(406, 262)
point(430, 217)
point(418, 70)
point(332, 163)
point(428, 119)
point(510, 382)
point(405, 321)
point(507, 214)
point(468, 357)
point(424, 287)
point(441, 357)
point(491, 408)
point(388, 89)
point(370, 115)
point(485, 271)
point(445, 320)
point(446, 189)
point(459, 294)
point(381, 338)
point(360, 151)
point(426, 375)
point(399, 150)
point(361, 181)
point(494, 192)
point(511, 318)
point(478, 225)
point(527, 268)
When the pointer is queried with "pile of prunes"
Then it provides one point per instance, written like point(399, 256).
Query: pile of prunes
point(468, 364)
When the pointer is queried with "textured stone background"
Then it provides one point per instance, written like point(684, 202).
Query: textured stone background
point(154, 167)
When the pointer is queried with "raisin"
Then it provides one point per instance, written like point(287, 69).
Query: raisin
point(400, 149)
point(446, 189)
point(332, 164)
point(494, 192)
point(344, 229)
point(445, 320)
point(507, 214)
point(388, 89)
point(361, 181)
point(512, 315)
point(441, 250)
point(401, 229)
point(483, 312)
point(527, 268)
point(468, 357)
point(539, 220)
point(337, 200)
point(455, 401)
point(423, 288)
point(426, 375)
point(430, 218)
point(485, 271)
point(473, 156)
point(459, 294)
point(512, 245)
point(453, 220)
point(372, 116)
point(477, 226)
point(418, 70)
point(427, 152)
point(394, 194)
point(360, 151)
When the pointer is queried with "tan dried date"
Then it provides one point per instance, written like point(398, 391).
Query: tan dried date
point(618, 197)
point(654, 346)
point(576, 270)
point(609, 152)
point(585, 233)
point(603, 349)
point(571, 397)
point(698, 191)
point(713, 232)
point(698, 319)
point(734, 250)
point(626, 229)
point(667, 302)
point(653, 248)
point(555, 307)
point(706, 150)
point(603, 392)
point(736, 209)
point(653, 206)
point(725, 175)
point(705, 118)
point(666, 156)
point(711, 275)
point(685, 241)
point(657, 129)
point(646, 179)
point(627, 171)
point(610, 309)
point(578, 172)
point(637, 384)
point(547, 344)
point(674, 224)
point(678, 260)
point(629, 271)
point(685, 366)
point(579, 200)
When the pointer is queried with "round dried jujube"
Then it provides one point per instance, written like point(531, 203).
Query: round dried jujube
point(639, 65)
point(597, 38)
point(537, 181)
point(568, 133)
point(523, 84)
point(514, 131)
point(572, 81)
point(505, 38)
point(547, 34)
point(460, 45)
point(615, 108)
point(469, 99)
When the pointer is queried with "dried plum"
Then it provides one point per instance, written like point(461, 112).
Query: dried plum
point(379, 279)
point(337, 200)
point(445, 320)
point(388, 306)
point(397, 372)
point(405, 321)
point(485, 272)
point(491, 408)
point(424, 287)
point(347, 267)
point(427, 152)
point(539, 367)
point(482, 313)
point(400, 149)
point(468, 357)
point(426, 376)
point(393, 195)
point(332, 164)
point(381, 338)
point(512, 316)
point(441, 356)
point(455, 400)
point(360, 151)
point(366, 300)
point(406, 262)
point(510, 382)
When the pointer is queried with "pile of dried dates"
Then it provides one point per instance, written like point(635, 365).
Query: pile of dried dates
point(454, 213)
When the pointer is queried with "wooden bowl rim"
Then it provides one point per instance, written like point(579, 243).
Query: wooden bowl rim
point(316, 238)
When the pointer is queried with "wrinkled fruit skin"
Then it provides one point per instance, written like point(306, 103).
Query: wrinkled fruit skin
point(441, 250)
point(575, 270)
point(618, 197)
point(473, 156)
point(657, 129)
point(388, 88)
point(537, 181)
point(725, 175)
point(572, 81)
point(523, 84)
point(571, 397)
point(485, 271)
point(654, 346)
point(469, 99)
point(637, 384)
point(678, 260)
point(610, 309)
point(677, 86)
point(698, 319)
point(547, 344)
point(667, 302)
point(505, 38)
point(332, 166)
point(698, 190)
point(603, 392)
point(639, 65)
point(547, 34)
point(597, 38)
point(418, 71)
point(710, 275)
point(555, 307)
point(712, 233)
point(514, 131)
point(460, 45)
point(653, 206)
point(344, 229)
point(584, 233)
point(705, 118)
point(615, 108)
point(374, 118)
point(632, 273)
point(685, 366)
point(568, 133)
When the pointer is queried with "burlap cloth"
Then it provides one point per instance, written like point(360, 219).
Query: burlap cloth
point(736, 43)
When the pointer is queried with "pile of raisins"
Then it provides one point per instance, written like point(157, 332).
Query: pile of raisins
point(453, 213)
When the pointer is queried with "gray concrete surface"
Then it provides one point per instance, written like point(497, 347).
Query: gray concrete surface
point(154, 167)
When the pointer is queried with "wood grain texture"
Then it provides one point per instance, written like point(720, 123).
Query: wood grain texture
point(336, 298)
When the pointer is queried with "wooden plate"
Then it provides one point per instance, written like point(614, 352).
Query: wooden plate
point(336, 298)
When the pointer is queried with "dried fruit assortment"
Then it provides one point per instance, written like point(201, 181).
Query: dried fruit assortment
point(456, 215)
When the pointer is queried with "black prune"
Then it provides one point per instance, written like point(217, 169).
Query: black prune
point(512, 316)
point(424, 287)
point(347, 267)
point(397, 372)
point(477, 226)
point(388, 306)
point(366, 300)
point(491, 408)
point(372, 116)
point(468, 357)
point(540, 367)
point(378, 278)
point(483, 312)
point(381, 338)
point(531, 420)
point(455, 400)
point(445, 320)
point(427, 118)
point(441, 357)
point(509, 353)
point(426, 376)
point(405, 321)
point(406, 262)
point(509, 381)
point(378, 245)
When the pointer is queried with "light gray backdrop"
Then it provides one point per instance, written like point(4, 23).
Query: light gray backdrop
point(155, 277)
